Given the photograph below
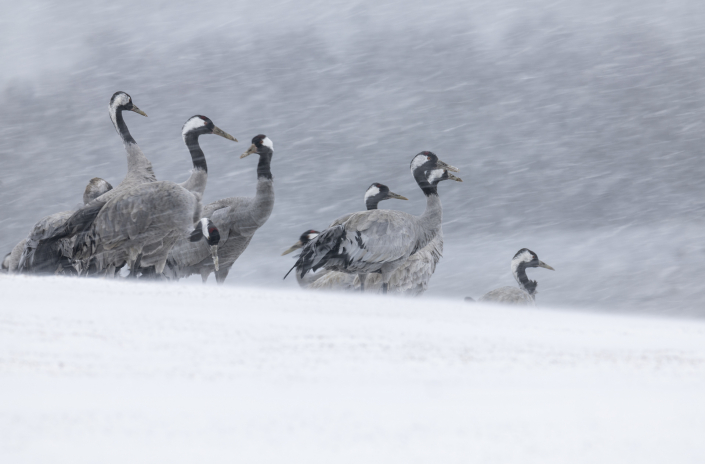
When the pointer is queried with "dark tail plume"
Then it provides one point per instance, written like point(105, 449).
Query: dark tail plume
point(45, 255)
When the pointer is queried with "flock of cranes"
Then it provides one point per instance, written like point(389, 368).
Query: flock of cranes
point(160, 229)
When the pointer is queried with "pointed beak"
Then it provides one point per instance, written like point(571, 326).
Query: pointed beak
point(545, 266)
point(441, 165)
point(252, 149)
point(222, 133)
point(295, 247)
point(214, 255)
point(137, 110)
point(396, 196)
point(455, 178)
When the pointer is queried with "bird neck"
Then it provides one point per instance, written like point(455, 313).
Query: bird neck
point(371, 203)
point(120, 126)
point(264, 165)
point(430, 221)
point(138, 166)
point(199, 175)
point(424, 184)
point(197, 156)
point(248, 220)
point(523, 280)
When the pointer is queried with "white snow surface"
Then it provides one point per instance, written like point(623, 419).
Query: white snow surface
point(114, 372)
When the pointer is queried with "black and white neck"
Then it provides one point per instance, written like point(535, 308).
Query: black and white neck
point(522, 260)
point(194, 128)
point(139, 168)
point(120, 102)
point(264, 147)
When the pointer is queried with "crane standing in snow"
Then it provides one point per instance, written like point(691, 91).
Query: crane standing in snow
point(332, 280)
point(380, 241)
point(41, 255)
point(237, 219)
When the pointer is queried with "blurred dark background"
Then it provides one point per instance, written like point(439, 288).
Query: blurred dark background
point(577, 126)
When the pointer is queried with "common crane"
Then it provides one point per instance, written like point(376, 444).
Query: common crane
point(139, 226)
point(380, 241)
point(237, 219)
point(525, 295)
point(334, 280)
point(42, 256)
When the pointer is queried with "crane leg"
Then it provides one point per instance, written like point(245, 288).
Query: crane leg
point(362, 277)
point(384, 288)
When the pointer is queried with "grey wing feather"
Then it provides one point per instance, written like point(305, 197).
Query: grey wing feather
point(379, 236)
point(367, 242)
point(148, 216)
point(231, 202)
point(340, 220)
point(15, 254)
point(412, 277)
point(332, 280)
point(509, 295)
point(46, 228)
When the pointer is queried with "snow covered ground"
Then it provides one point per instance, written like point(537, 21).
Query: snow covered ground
point(113, 372)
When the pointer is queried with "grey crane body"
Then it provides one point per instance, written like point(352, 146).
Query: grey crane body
point(13, 258)
point(509, 295)
point(379, 241)
point(412, 277)
point(41, 255)
point(237, 219)
point(376, 241)
point(525, 294)
point(145, 221)
point(48, 226)
point(141, 221)
point(325, 279)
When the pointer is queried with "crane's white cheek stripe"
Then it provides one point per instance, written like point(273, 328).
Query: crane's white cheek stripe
point(371, 192)
point(434, 175)
point(192, 124)
point(204, 227)
point(120, 100)
point(525, 257)
point(267, 142)
point(418, 161)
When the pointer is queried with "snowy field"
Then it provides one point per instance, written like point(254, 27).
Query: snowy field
point(113, 372)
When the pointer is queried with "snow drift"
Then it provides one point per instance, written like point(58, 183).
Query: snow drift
point(99, 371)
